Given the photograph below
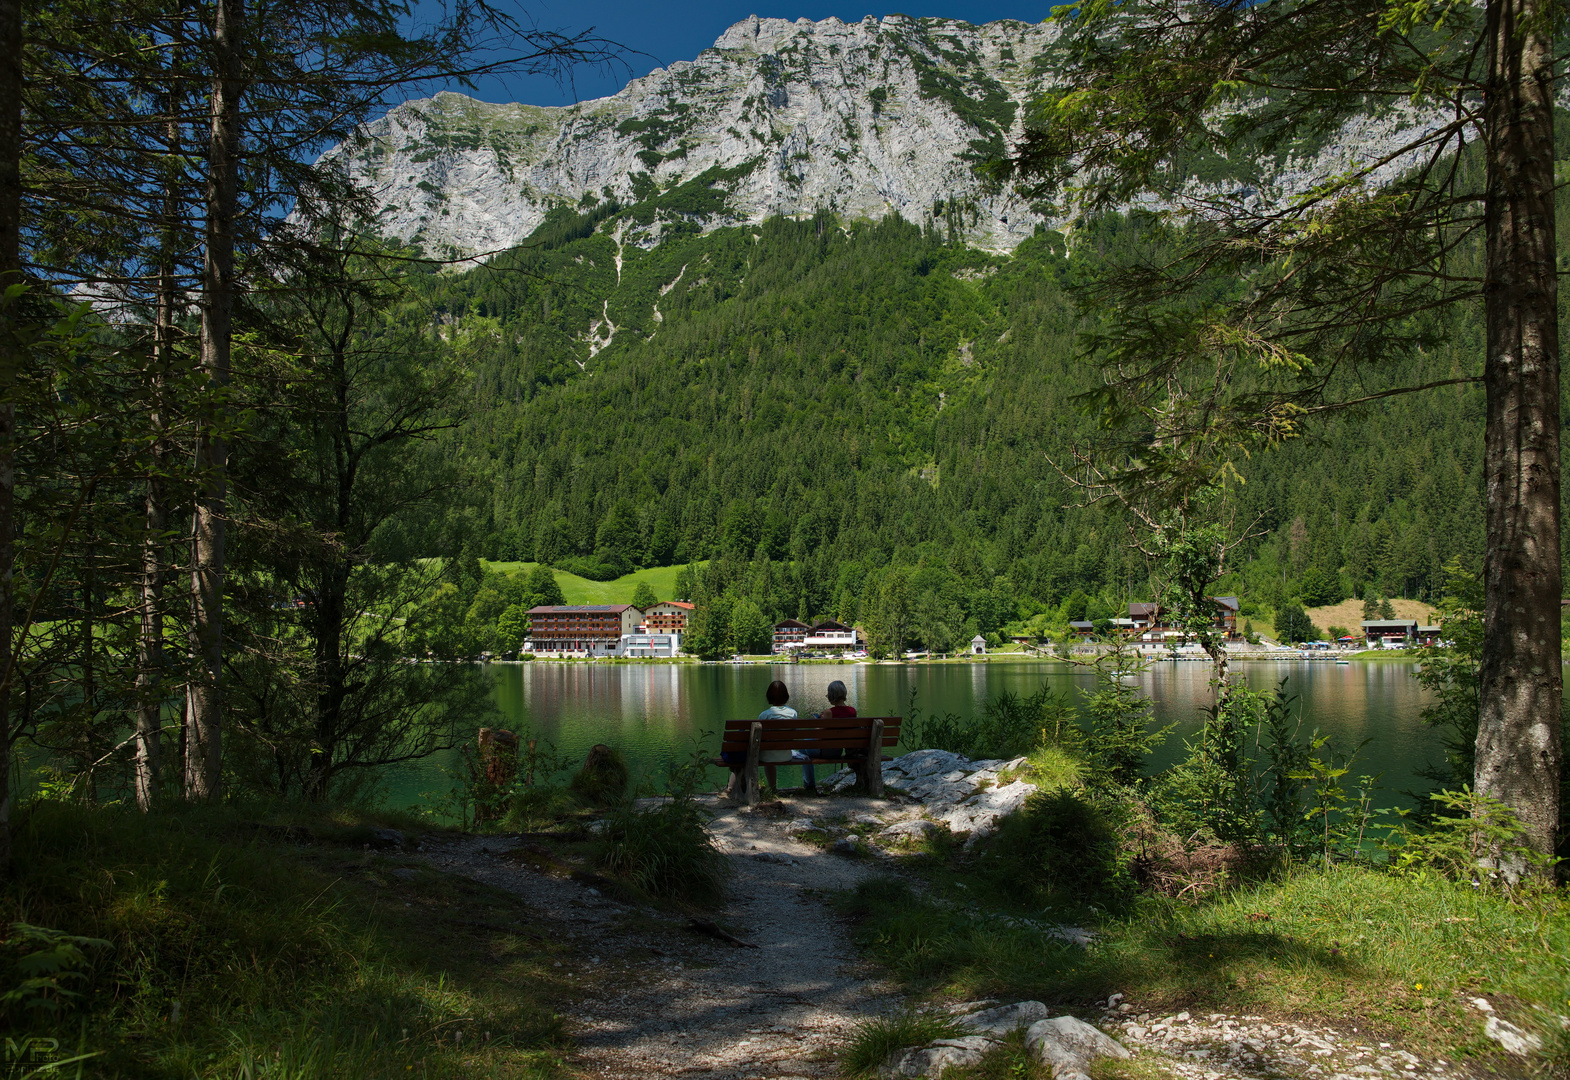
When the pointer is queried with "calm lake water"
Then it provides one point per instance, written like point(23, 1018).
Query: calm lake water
point(658, 713)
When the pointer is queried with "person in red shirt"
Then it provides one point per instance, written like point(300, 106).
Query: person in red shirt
point(837, 710)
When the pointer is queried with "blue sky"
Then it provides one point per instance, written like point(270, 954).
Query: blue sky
point(669, 31)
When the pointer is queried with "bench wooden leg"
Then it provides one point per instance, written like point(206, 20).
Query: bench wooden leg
point(874, 766)
point(750, 770)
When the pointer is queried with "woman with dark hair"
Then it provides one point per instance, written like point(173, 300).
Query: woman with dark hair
point(777, 695)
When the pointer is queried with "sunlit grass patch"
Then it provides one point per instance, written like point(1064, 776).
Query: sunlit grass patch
point(1403, 954)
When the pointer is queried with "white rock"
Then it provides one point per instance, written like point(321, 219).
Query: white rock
point(927, 762)
point(962, 1008)
point(1069, 1045)
point(1511, 1038)
point(978, 815)
point(1482, 1005)
point(930, 1061)
point(912, 830)
point(1005, 1018)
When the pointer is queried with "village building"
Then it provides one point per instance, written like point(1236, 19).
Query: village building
point(1082, 628)
point(1389, 633)
point(667, 617)
point(581, 629)
point(790, 634)
point(832, 637)
point(649, 645)
point(1429, 635)
point(978, 646)
point(1148, 621)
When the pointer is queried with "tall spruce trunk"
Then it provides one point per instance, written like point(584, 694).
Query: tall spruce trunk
point(10, 367)
point(204, 758)
point(151, 677)
point(150, 683)
point(1518, 747)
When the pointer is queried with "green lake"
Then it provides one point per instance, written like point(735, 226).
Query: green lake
point(658, 713)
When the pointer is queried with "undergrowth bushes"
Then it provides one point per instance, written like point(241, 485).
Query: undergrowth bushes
point(230, 953)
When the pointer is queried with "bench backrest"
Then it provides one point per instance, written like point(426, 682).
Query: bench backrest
point(805, 733)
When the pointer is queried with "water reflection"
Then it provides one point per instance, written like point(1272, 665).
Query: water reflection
point(656, 713)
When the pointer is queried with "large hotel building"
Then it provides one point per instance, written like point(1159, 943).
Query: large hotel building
point(586, 629)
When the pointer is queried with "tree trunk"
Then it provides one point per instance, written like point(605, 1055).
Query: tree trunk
point(150, 645)
point(1518, 747)
point(150, 680)
point(10, 367)
point(204, 753)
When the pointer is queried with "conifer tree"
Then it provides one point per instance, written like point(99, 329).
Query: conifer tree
point(1262, 314)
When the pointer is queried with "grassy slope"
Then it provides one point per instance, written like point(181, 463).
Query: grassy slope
point(578, 590)
point(1349, 613)
point(306, 961)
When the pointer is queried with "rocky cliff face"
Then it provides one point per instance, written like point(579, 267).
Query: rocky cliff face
point(778, 117)
point(864, 119)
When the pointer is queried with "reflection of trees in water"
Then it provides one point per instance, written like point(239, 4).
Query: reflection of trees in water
point(651, 712)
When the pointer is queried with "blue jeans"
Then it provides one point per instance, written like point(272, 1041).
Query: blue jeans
point(809, 775)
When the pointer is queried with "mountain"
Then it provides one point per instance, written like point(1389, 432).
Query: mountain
point(779, 118)
point(759, 309)
point(885, 115)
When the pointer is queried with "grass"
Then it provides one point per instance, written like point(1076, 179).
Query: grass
point(1349, 613)
point(1400, 954)
point(237, 951)
point(874, 1040)
point(663, 851)
point(580, 590)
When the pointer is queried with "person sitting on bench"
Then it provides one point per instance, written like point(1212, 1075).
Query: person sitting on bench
point(837, 710)
point(777, 695)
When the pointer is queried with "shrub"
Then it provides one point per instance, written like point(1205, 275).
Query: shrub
point(1063, 847)
point(1009, 726)
point(663, 850)
point(603, 778)
point(1470, 832)
point(539, 807)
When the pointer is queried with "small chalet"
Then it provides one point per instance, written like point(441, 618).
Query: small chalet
point(1148, 621)
point(1082, 628)
point(1144, 616)
point(831, 635)
point(790, 634)
point(1389, 633)
point(667, 617)
point(978, 646)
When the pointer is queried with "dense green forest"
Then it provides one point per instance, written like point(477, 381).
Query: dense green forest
point(812, 403)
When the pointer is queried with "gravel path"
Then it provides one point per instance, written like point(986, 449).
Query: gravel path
point(660, 1000)
point(652, 998)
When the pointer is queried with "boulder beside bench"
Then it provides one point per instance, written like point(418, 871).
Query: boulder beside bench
point(859, 740)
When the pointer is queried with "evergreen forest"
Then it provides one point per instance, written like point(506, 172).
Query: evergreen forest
point(818, 404)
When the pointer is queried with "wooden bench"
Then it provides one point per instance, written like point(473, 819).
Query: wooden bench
point(859, 739)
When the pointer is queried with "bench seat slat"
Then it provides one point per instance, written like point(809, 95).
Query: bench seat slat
point(798, 744)
point(863, 723)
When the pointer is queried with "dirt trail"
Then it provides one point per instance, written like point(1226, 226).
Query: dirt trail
point(660, 1000)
